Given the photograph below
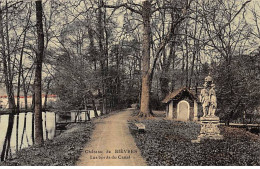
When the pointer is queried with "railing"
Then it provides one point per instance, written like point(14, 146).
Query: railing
point(253, 128)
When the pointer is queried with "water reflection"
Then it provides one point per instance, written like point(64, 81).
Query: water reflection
point(24, 134)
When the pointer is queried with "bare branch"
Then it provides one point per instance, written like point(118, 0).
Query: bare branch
point(238, 12)
point(125, 6)
point(164, 42)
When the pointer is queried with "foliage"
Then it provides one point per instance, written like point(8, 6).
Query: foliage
point(237, 86)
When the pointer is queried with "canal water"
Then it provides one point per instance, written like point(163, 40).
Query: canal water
point(25, 127)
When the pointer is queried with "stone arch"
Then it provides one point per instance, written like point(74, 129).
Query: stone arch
point(183, 110)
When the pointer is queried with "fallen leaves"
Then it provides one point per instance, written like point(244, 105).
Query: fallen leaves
point(168, 142)
point(63, 150)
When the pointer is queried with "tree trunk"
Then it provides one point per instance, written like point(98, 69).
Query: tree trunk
point(6, 145)
point(94, 107)
point(46, 95)
point(18, 91)
point(45, 125)
point(187, 55)
point(38, 75)
point(25, 90)
point(92, 49)
point(33, 117)
point(146, 78)
point(101, 54)
point(9, 89)
point(118, 84)
point(195, 52)
point(24, 129)
point(192, 66)
point(164, 79)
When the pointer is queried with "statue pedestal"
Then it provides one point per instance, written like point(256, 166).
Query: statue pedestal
point(209, 129)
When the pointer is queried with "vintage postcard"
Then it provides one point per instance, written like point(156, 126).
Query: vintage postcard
point(129, 82)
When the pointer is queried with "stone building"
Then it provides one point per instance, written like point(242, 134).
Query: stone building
point(182, 105)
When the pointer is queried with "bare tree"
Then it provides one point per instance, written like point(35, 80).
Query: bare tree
point(146, 10)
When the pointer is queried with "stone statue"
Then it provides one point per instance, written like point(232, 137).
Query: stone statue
point(209, 122)
point(208, 98)
point(213, 101)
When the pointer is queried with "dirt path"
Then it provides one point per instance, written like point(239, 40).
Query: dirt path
point(112, 144)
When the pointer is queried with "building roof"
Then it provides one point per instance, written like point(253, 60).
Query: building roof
point(177, 93)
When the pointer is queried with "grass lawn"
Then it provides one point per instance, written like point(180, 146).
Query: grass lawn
point(168, 142)
point(63, 150)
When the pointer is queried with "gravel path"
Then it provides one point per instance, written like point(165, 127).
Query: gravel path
point(112, 144)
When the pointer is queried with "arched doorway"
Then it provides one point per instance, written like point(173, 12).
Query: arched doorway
point(183, 110)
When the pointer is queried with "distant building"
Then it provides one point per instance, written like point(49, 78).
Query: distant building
point(4, 100)
point(182, 104)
